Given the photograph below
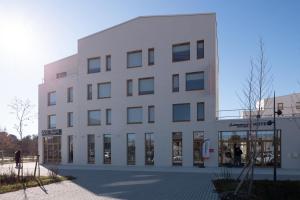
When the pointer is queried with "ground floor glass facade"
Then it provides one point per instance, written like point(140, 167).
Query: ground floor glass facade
point(52, 149)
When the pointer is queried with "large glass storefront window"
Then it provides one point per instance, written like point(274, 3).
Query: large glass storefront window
point(131, 149)
point(149, 149)
point(107, 148)
point(70, 148)
point(52, 149)
point(234, 148)
point(91, 149)
point(198, 139)
point(177, 148)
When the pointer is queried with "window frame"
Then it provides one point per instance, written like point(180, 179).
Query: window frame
point(198, 56)
point(89, 160)
point(173, 81)
point(128, 108)
point(70, 94)
point(181, 44)
point(88, 68)
point(152, 142)
point(98, 90)
point(201, 119)
point(88, 97)
point(110, 136)
point(127, 147)
point(70, 143)
point(186, 80)
point(127, 88)
point(88, 121)
point(106, 116)
point(147, 92)
point(149, 61)
point(132, 52)
point(280, 106)
point(108, 64)
point(70, 123)
point(49, 102)
point(49, 124)
point(173, 114)
point(151, 107)
point(179, 163)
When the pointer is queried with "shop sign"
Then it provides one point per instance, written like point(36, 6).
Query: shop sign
point(50, 132)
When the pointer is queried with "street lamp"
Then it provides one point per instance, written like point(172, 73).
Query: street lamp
point(278, 112)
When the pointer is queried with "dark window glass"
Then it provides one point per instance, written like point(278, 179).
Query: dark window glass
point(175, 83)
point(200, 49)
point(51, 121)
point(280, 106)
point(94, 117)
point(181, 52)
point(61, 75)
point(52, 149)
point(104, 90)
point(51, 98)
point(177, 148)
point(134, 59)
point(94, 65)
point(70, 94)
point(200, 111)
point(108, 63)
point(107, 148)
point(91, 149)
point(146, 86)
point(89, 91)
point(198, 139)
point(70, 119)
point(134, 115)
point(131, 149)
point(129, 88)
point(195, 81)
point(108, 116)
point(70, 148)
point(149, 149)
point(150, 56)
point(181, 112)
point(151, 114)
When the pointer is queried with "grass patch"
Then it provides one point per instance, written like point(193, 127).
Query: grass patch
point(264, 189)
point(30, 182)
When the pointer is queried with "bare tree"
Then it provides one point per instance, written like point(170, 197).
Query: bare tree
point(22, 109)
point(257, 89)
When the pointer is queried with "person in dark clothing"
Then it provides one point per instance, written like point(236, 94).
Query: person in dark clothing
point(237, 155)
point(18, 158)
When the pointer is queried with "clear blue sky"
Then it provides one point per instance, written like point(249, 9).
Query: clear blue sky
point(48, 31)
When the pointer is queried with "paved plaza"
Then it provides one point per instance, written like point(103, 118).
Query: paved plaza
point(131, 183)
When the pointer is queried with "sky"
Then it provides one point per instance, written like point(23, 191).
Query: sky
point(34, 33)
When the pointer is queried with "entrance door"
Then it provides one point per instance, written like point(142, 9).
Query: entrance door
point(52, 149)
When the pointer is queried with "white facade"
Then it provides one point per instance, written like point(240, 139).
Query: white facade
point(142, 34)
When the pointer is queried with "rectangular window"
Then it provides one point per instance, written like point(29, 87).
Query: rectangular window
point(70, 95)
point(151, 56)
point(200, 49)
point(151, 114)
point(91, 149)
point(108, 63)
point(51, 121)
point(70, 148)
point(89, 92)
point(94, 117)
point(129, 88)
point(134, 115)
point(198, 139)
point(146, 86)
point(194, 81)
point(51, 98)
point(94, 65)
point(134, 59)
point(61, 75)
point(130, 148)
point(177, 148)
point(70, 119)
point(149, 148)
point(107, 148)
point(181, 112)
point(200, 111)
point(280, 106)
point(175, 83)
point(104, 90)
point(297, 105)
point(181, 52)
point(108, 116)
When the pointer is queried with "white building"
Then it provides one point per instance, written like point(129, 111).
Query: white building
point(144, 92)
